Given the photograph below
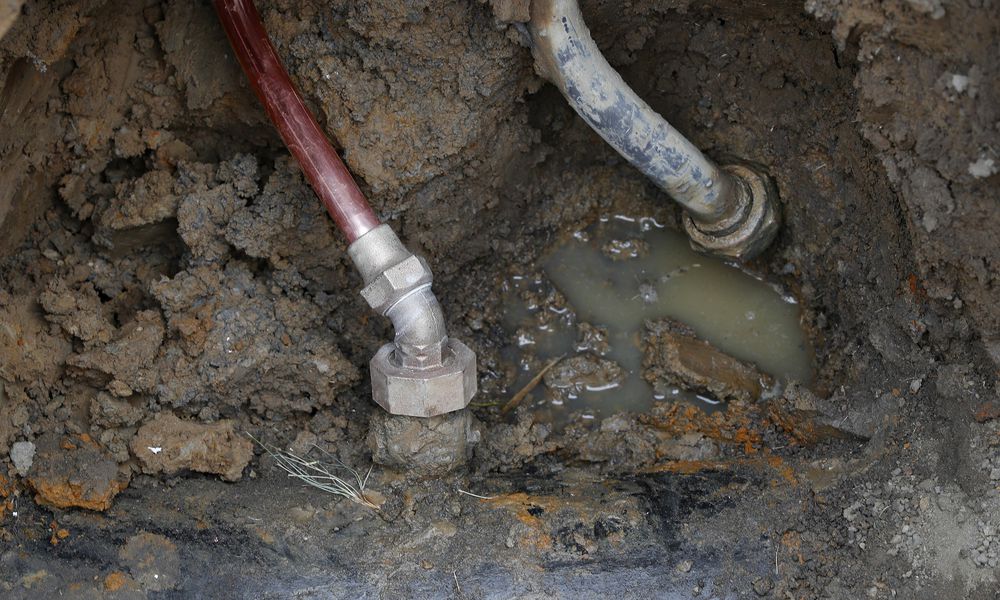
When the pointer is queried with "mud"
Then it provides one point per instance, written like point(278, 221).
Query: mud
point(163, 256)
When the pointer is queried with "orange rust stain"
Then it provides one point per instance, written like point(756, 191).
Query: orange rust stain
point(521, 504)
point(62, 494)
point(689, 467)
point(733, 426)
point(916, 289)
point(793, 542)
point(5, 486)
point(783, 469)
point(115, 581)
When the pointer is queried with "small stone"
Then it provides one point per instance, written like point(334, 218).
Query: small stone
point(983, 167)
point(762, 586)
point(959, 82)
point(22, 454)
point(684, 566)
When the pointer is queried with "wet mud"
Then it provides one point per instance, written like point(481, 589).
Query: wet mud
point(169, 281)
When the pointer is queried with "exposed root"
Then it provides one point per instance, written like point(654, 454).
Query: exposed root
point(319, 473)
point(518, 397)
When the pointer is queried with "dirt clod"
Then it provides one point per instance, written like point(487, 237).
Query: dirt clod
point(71, 471)
point(422, 446)
point(169, 445)
point(152, 560)
point(674, 355)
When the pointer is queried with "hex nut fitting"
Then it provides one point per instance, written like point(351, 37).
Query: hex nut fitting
point(392, 284)
point(754, 225)
point(425, 392)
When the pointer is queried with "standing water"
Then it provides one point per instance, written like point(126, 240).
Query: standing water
point(598, 290)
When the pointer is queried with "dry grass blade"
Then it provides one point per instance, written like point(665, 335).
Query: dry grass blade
point(518, 397)
point(320, 473)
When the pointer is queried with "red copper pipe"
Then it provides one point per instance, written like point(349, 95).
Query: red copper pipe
point(326, 172)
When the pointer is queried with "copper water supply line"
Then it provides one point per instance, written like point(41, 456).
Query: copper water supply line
point(423, 372)
point(325, 171)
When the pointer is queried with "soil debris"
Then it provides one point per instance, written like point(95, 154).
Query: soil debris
point(152, 560)
point(169, 445)
point(73, 471)
point(584, 372)
point(676, 356)
point(423, 446)
point(517, 398)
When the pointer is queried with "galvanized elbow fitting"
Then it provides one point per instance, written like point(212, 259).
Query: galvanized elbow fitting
point(730, 211)
point(423, 372)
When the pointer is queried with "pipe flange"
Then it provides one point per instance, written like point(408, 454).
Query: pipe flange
point(758, 203)
point(428, 391)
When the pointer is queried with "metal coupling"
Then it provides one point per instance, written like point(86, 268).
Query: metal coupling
point(749, 226)
point(423, 372)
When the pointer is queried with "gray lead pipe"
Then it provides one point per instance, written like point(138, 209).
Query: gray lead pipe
point(731, 211)
point(568, 57)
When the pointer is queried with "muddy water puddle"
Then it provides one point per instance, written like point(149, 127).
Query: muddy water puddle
point(592, 297)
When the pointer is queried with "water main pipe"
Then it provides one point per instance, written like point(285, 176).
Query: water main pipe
point(730, 210)
point(423, 373)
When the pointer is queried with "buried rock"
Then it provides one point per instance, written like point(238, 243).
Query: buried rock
point(676, 356)
point(75, 472)
point(169, 445)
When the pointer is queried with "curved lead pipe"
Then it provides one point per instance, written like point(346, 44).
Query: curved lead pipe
point(730, 210)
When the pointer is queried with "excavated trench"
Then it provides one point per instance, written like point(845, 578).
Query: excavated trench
point(171, 287)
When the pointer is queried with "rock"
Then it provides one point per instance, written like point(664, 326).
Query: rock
point(75, 472)
point(152, 560)
point(22, 454)
point(169, 445)
point(675, 356)
point(762, 586)
point(425, 446)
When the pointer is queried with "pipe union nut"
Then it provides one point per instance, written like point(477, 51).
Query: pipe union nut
point(426, 392)
point(395, 282)
point(756, 226)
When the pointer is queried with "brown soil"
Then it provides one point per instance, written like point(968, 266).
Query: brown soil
point(164, 261)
